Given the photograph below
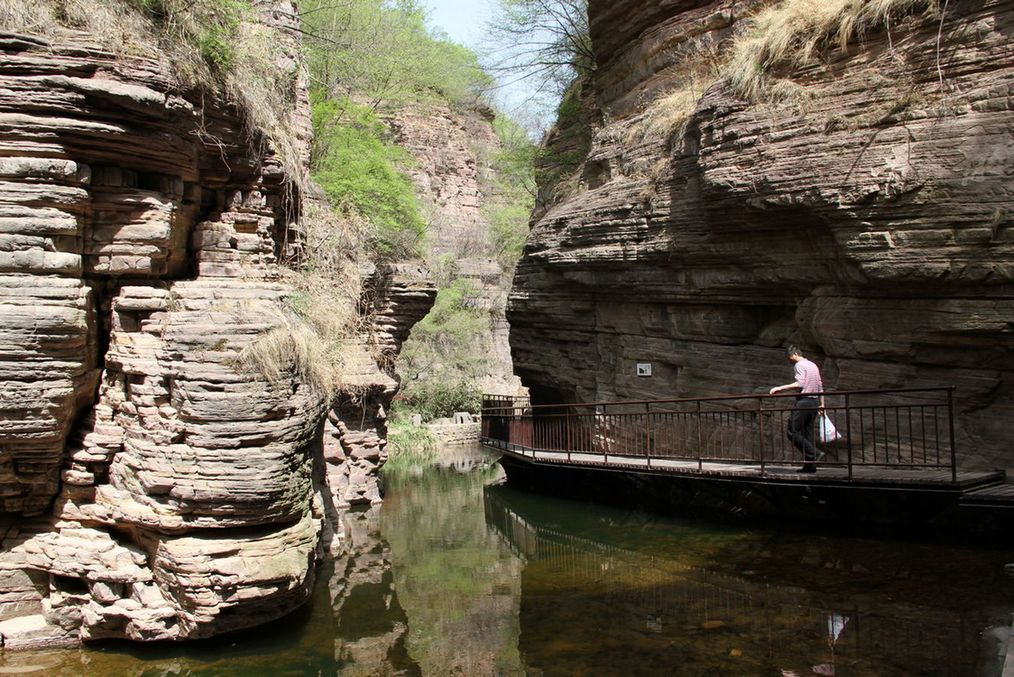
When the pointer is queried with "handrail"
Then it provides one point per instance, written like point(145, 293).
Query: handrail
point(879, 427)
point(715, 398)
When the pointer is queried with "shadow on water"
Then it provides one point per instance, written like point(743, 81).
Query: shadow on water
point(624, 592)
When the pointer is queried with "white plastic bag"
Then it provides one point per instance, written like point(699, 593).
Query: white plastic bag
point(828, 433)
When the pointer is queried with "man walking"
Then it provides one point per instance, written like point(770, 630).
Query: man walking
point(809, 402)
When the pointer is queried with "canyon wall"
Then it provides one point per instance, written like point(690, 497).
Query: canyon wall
point(452, 173)
point(154, 487)
point(867, 218)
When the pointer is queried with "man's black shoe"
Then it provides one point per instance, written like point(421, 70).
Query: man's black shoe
point(808, 468)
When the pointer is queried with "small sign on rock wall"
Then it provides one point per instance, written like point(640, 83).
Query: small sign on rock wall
point(644, 368)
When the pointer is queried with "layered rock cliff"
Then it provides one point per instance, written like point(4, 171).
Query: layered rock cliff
point(452, 150)
point(866, 218)
point(176, 493)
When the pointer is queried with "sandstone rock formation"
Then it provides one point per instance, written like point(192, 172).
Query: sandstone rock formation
point(355, 435)
point(453, 151)
point(868, 220)
point(179, 494)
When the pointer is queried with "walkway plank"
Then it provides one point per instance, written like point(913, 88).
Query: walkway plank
point(1000, 495)
point(780, 473)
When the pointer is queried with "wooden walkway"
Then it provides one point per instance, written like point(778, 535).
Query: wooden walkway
point(986, 486)
point(888, 441)
point(995, 496)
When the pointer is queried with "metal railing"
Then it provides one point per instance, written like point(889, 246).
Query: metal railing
point(905, 428)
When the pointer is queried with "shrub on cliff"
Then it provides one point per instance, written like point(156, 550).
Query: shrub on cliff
point(511, 190)
point(383, 53)
point(353, 163)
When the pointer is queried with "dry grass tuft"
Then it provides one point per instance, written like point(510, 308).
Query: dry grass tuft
point(665, 118)
point(791, 33)
point(116, 25)
point(294, 349)
point(327, 276)
point(323, 314)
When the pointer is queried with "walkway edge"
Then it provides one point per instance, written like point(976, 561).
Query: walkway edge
point(1008, 664)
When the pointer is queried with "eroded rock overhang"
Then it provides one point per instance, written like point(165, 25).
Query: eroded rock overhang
point(154, 489)
point(867, 220)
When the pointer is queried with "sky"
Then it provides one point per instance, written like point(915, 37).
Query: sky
point(464, 21)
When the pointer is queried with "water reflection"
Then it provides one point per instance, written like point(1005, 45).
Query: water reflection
point(604, 591)
point(457, 580)
point(371, 624)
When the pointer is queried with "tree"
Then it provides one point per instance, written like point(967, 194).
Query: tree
point(382, 52)
point(543, 39)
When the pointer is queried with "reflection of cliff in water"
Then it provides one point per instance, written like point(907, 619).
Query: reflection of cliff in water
point(647, 598)
point(457, 580)
point(371, 624)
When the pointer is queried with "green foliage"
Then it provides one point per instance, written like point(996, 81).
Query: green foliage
point(408, 447)
point(509, 227)
point(446, 354)
point(513, 190)
point(441, 399)
point(383, 52)
point(353, 163)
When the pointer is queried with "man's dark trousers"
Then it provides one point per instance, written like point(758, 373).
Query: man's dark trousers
point(801, 426)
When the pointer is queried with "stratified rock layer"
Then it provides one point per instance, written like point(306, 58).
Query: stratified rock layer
point(182, 490)
point(453, 162)
point(869, 222)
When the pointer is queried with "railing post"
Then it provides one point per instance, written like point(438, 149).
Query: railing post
point(700, 437)
point(569, 438)
point(647, 432)
point(950, 423)
point(848, 431)
point(760, 430)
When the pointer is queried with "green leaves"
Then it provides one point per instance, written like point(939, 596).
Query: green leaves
point(383, 53)
point(441, 399)
point(445, 355)
point(353, 163)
